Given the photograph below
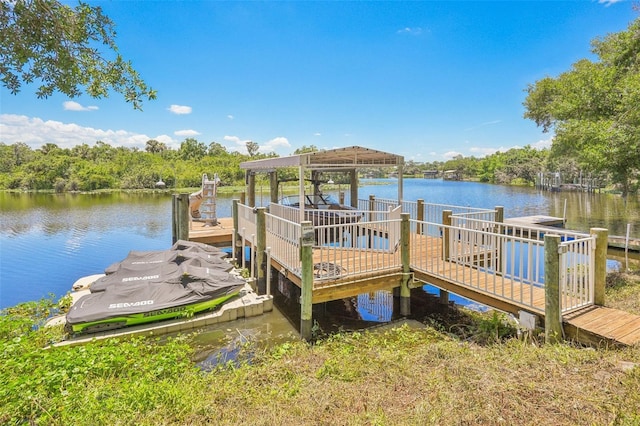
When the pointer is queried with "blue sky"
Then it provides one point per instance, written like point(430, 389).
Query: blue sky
point(426, 80)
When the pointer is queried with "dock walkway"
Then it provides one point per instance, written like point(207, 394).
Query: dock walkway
point(496, 263)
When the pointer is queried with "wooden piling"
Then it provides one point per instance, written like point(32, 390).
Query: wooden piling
point(251, 189)
point(180, 223)
point(237, 250)
point(307, 239)
point(420, 216)
point(261, 246)
point(600, 264)
point(353, 175)
point(552, 318)
point(273, 187)
point(499, 241)
point(405, 252)
point(372, 207)
point(174, 218)
point(446, 222)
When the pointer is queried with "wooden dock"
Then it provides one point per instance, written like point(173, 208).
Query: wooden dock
point(342, 272)
point(219, 235)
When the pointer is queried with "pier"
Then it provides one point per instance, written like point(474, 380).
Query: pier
point(545, 276)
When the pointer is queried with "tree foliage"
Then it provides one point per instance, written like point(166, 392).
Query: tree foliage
point(53, 45)
point(593, 108)
point(102, 166)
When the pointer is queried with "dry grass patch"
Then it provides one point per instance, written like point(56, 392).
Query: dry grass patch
point(623, 291)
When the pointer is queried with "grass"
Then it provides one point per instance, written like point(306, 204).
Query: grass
point(468, 368)
point(623, 291)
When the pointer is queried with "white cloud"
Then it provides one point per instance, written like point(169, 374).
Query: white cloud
point(486, 123)
point(317, 134)
point(186, 133)
point(35, 132)
point(483, 151)
point(272, 145)
point(410, 30)
point(180, 109)
point(230, 117)
point(608, 3)
point(450, 154)
point(75, 106)
point(542, 144)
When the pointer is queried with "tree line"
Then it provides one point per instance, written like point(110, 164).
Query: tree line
point(102, 166)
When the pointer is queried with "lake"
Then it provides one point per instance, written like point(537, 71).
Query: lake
point(48, 241)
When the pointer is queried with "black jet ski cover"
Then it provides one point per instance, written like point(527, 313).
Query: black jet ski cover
point(145, 260)
point(126, 276)
point(187, 285)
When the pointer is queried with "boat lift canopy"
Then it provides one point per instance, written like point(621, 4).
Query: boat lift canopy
point(339, 159)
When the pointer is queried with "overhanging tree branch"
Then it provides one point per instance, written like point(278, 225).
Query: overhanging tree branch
point(57, 47)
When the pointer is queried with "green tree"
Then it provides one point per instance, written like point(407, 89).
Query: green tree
point(593, 108)
point(252, 148)
point(216, 149)
point(191, 149)
point(303, 149)
point(54, 45)
point(153, 146)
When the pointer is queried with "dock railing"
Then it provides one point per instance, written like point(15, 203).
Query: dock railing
point(577, 269)
point(283, 239)
point(474, 251)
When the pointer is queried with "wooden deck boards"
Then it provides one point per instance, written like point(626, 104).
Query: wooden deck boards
point(218, 235)
point(601, 324)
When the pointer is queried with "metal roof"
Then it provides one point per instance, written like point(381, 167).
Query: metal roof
point(332, 159)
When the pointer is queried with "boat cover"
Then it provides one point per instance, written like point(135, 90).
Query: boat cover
point(180, 251)
point(145, 260)
point(183, 285)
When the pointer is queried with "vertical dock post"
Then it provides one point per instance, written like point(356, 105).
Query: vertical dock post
point(420, 216)
point(251, 188)
point(181, 214)
point(600, 264)
point(307, 238)
point(446, 232)
point(174, 218)
point(372, 206)
point(446, 221)
point(499, 241)
point(261, 246)
point(353, 184)
point(552, 319)
point(499, 214)
point(237, 254)
point(405, 251)
point(273, 186)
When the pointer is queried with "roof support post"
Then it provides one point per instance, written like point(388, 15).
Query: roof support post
point(251, 188)
point(400, 183)
point(273, 186)
point(301, 192)
point(353, 175)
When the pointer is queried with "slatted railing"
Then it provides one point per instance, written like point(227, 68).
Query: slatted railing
point(577, 266)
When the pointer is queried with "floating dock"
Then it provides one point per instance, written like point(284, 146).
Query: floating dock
point(247, 304)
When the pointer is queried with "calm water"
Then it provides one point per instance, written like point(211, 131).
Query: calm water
point(48, 241)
